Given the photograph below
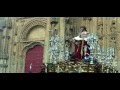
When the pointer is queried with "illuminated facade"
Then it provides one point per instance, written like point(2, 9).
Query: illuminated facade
point(26, 39)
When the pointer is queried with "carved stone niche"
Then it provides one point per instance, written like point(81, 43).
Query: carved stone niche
point(100, 41)
point(54, 20)
point(100, 30)
point(98, 27)
point(100, 38)
point(9, 23)
point(113, 22)
point(14, 53)
point(71, 28)
point(8, 37)
point(3, 65)
point(87, 18)
point(113, 40)
point(67, 20)
point(15, 43)
point(100, 23)
point(113, 30)
point(16, 33)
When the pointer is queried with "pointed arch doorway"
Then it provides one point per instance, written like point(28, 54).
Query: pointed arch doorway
point(34, 59)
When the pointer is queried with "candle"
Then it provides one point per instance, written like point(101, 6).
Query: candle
point(107, 70)
point(113, 51)
point(79, 69)
point(58, 69)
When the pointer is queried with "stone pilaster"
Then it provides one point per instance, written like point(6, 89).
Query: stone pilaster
point(118, 44)
point(62, 35)
point(118, 51)
point(94, 24)
point(46, 45)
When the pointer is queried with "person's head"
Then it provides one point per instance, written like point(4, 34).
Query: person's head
point(83, 28)
point(84, 32)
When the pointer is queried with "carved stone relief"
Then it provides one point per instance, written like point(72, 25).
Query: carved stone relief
point(99, 26)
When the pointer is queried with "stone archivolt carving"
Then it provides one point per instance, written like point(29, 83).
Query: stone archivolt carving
point(29, 45)
point(32, 44)
point(29, 24)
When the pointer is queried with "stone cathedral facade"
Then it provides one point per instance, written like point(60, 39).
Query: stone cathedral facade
point(25, 38)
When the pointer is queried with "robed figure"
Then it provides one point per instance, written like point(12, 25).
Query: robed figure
point(80, 45)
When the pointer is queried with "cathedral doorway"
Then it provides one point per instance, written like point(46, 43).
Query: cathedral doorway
point(34, 59)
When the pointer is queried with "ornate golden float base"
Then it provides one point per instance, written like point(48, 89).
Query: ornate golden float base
point(72, 67)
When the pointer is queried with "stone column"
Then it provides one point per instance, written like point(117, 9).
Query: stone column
point(4, 51)
point(104, 33)
point(9, 53)
point(19, 49)
point(62, 37)
point(118, 51)
point(2, 55)
point(46, 45)
point(87, 25)
point(108, 30)
point(11, 63)
point(94, 25)
point(118, 43)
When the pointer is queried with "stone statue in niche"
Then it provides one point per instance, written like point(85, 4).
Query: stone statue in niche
point(113, 26)
point(113, 41)
point(54, 30)
point(112, 29)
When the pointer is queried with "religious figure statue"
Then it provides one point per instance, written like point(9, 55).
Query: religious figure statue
point(80, 45)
